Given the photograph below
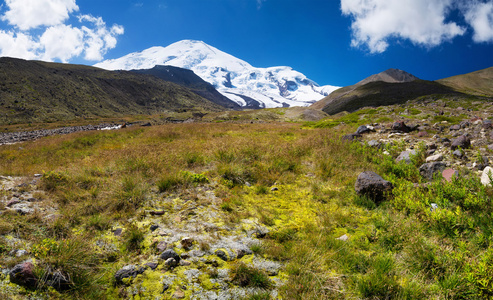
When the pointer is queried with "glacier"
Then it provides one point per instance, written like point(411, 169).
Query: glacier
point(234, 78)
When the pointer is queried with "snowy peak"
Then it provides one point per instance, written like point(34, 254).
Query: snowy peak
point(234, 78)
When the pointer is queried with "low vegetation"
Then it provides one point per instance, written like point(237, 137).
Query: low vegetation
point(294, 181)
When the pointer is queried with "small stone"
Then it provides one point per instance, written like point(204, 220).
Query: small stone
point(362, 130)
point(118, 232)
point(274, 189)
point(450, 174)
point(222, 255)
point(179, 294)
point(343, 238)
point(157, 213)
point(171, 262)
point(436, 157)
point(422, 134)
point(186, 242)
point(185, 263)
point(12, 202)
point(152, 265)
point(487, 175)
point(405, 156)
point(458, 153)
point(161, 246)
point(128, 271)
point(170, 253)
point(154, 227)
point(375, 144)
point(434, 207)
point(400, 127)
point(455, 127)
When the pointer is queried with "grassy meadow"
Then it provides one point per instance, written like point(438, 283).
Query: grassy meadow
point(93, 182)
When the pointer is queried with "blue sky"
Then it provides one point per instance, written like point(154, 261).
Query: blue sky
point(337, 42)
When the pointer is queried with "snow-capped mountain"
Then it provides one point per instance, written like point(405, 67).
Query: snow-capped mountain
point(234, 78)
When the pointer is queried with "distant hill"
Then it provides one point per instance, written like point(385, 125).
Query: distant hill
point(189, 79)
point(392, 86)
point(34, 91)
point(479, 83)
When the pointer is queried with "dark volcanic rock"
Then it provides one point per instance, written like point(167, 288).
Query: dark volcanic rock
point(22, 274)
point(372, 185)
point(362, 130)
point(400, 127)
point(427, 170)
point(170, 254)
point(128, 272)
point(462, 141)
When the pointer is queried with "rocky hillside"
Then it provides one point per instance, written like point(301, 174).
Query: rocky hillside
point(189, 79)
point(32, 91)
point(395, 86)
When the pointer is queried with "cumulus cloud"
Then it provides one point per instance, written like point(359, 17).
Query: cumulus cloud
point(423, 22)
point(480, 16)
point(40, 30)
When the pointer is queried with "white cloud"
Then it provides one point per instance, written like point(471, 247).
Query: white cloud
point(28, 14)
point(423, 22)
point(480, 16)
point(40, 30)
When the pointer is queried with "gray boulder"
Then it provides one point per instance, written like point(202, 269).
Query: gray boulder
point(462, 141)
point(405, 156)
point(170, 253)
point(427, 170)
point(129, 271)
point(372, 185)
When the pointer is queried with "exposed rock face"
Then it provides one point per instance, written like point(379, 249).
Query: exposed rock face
point(372, 185)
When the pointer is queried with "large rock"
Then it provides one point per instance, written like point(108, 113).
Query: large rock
point(363, 129)
point(372, 185)
point(462, 141)
point(22, 274)
point(427, 170)
point(405, 156)
point(487, 174)
point(400, 126)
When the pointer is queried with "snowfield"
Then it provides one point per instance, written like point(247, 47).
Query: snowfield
point(232, 77)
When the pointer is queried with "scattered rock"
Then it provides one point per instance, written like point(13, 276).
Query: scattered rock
point(362, 130)
point(455, 127)
point(343, 238)
point(222, 254)
point(450, 174)
point(274, 189)
point(487, 175)
point(427, 170)
point(186, 242)
point(118, 231)
point(162, 246)
point(179, 294)
point(129, 271)
point(170, 253)
point(154, 227)
point(171, 262)
point(458, 154)
point(372, 185)
point(436, 157)
point(434, 207)
point(375, 144)
point(12, 202)
point(152, 265)
point(400, 126)
point(157, 213)
point(462, 141)
point(22, 274)
point(405, 156)
point(185, 263)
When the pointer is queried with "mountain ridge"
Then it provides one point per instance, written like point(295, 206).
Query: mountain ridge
point(232, 77)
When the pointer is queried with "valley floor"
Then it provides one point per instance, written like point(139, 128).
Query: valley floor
point(251, 211)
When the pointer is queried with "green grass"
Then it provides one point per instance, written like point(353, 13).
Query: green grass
point(397, 249)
